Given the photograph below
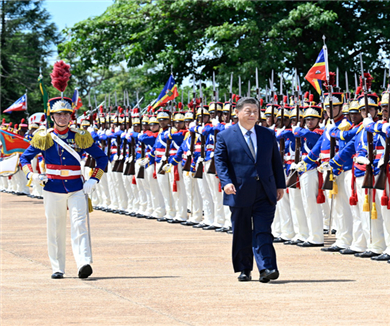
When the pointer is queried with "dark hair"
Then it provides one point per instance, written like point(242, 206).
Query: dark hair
point(246, 100)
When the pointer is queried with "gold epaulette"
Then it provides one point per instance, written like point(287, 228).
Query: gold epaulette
point(42, 139)
point(82, 138)
point(187, 135)
point(360, 129)
point(344, 125)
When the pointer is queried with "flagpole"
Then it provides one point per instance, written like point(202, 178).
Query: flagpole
point(26, 106)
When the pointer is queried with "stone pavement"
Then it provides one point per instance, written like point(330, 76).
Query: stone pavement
point(151, 273)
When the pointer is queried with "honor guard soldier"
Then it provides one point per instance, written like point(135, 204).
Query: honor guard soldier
point(64, 186)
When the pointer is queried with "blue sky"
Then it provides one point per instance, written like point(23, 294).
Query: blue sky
point(66, 13)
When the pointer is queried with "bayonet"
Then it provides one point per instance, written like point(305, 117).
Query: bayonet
point(239, 86)
point(249, 88)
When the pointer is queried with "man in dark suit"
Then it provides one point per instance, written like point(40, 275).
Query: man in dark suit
point(250, 168)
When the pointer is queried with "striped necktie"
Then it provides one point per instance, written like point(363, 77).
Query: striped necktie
point(250, 143)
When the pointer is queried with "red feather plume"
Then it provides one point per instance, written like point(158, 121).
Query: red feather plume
point(306, 95)
point(22, 121)
point(369, 80)
point(332, 80)
point(261, 102)
point(275, 98)
point(120, 109)
point(3, 121)
point(285, 99)
point(180, 105)
point(311, 97)
point(43, 118)
point(60, 75)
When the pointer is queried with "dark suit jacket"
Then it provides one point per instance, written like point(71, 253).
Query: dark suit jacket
point(235, 164)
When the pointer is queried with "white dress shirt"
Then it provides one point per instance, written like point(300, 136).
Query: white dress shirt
point(253, 136)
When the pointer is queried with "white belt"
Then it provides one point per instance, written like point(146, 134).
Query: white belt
point(63, 173)
point(324, 155)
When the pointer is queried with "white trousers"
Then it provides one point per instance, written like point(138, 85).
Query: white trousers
point(194, 198)
point(112, 187)
point(298, 215)
point(208, 204)
point(140, 188)
point(56, 205)
point(286, 225)
point(179, 197)
point(217, 197)
point(164, 183)
point(372, 229)
point(386, 220)
point(155, 193)
point(103, 192)
point(309, 191)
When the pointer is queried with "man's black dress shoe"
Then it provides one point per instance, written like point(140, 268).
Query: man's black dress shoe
point(140, 216)
point(308, 244)
point(230, 231)
point(332, 249)
point(268, 275)
point(381, 257)
point(210, 227)
point(245, 276)
point(366, 254)
point(151, 217)
point(188, 223)
point(199, 226)
point(279, 239)
point(293, 242)
point(222, 229)
point(85, 271)
point(333, 231)
point(57, 275)
point(133, 214)
point(348, 251)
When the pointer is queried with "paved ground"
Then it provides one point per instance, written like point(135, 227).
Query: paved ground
point(153, 273)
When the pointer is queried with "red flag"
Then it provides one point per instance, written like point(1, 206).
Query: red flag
point(13, 143)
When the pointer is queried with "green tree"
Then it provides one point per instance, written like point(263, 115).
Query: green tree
point(27, 38)
point(230, 36)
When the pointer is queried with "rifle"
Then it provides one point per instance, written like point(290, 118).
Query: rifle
point(212, 169)
point(199, 170)
point(230, 98)
point(368, 181)
point(141, 171)
point(272, 97)
point(130, 163)
point(292, 180)
point(187, 164)
point(89, 159)
point(328, 182)
point(161, 171)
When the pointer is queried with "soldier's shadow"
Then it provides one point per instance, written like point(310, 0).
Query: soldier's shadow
point(89, 279)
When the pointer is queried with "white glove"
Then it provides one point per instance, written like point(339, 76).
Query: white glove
point(167, 168)
point(200, 159)
point(89, 185)
point(362, 160)
point(301, 166)
point(367, 121)
point(215, 122)
point(272, 127)
point(211, 154)
point(192, 124)
point(188, 153)
point(163, 158)
point(294, 128)
point(115, 157)
point(293, 166)
point(325, 166)
point(144, 161)
point(330, 125)
point(39, 177)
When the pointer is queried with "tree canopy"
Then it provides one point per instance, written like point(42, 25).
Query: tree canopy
point(229, 36)
point(27, 38)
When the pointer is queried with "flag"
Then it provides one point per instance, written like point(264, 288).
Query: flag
point(76, 100)
point(317, 72)
point(168, 93)
point(19, 105)
point(13, 143)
